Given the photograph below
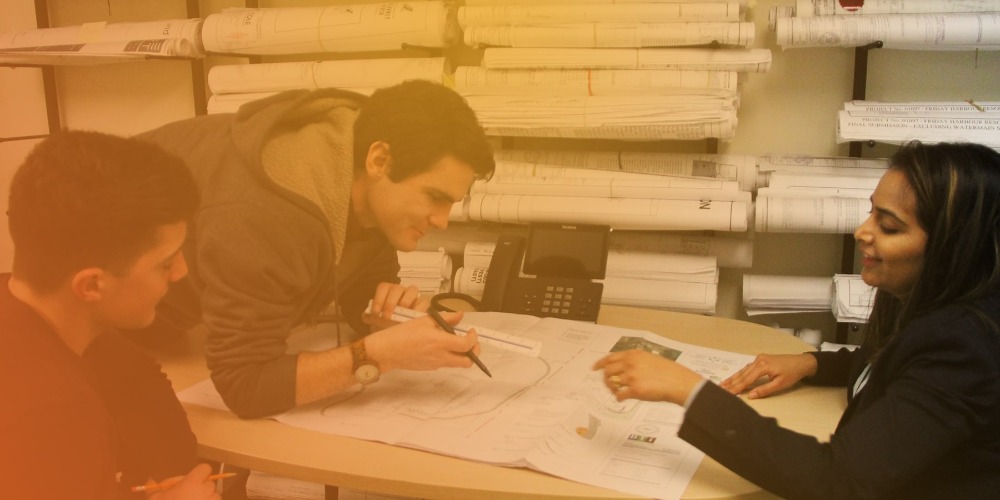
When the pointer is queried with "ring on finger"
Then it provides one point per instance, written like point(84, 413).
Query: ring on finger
point(615, 379)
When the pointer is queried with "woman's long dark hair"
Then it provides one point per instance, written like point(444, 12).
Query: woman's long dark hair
point(957, 189)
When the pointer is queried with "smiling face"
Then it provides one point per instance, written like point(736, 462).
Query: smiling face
point(890, 240)
point(406, 209)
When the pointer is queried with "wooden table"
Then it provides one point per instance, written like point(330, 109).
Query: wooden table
point(269, 446)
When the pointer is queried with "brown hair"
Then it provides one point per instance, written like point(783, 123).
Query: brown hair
point(87, 199)
point(957, 189)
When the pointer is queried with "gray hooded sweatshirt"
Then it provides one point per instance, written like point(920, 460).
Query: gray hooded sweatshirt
point(272, 244)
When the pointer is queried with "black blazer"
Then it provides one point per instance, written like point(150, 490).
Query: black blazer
point(926, 424)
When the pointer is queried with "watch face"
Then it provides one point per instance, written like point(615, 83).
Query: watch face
point(366, 373)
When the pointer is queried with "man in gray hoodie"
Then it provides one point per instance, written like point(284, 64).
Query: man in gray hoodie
point(306, 196)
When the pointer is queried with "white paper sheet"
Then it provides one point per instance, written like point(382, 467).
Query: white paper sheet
point(551, 413)
point(853, 298)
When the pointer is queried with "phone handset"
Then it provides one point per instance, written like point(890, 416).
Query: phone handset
point(504, 270)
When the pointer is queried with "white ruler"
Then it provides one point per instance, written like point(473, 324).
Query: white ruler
point(487, 336)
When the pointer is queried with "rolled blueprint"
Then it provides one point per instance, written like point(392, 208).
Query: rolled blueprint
point(359, 75)
point(475, 80)
point(341, 28)
point(428, 271)
point(786, 294)
point(93, 43)
point(741, 60)
point(809, 214)
point(548, 13)
point(619, 213)
point(611, 35)
point(665, 294)
point(966, 31)
point(740, 168)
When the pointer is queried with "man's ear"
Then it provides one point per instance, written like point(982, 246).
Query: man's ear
point(88, 284)
point(379, 160)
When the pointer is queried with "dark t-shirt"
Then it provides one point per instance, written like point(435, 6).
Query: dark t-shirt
point(72, 425)
point(56, 437)
point(154, 439)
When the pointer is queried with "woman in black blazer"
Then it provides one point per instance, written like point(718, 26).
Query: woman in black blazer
point(923, 414)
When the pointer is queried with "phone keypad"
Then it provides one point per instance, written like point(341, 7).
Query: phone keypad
point(579, 301)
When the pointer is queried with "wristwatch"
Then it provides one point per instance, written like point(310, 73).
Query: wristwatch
point(366, 370)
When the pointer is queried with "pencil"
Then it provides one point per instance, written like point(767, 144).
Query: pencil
point(167, 483)
point(446, 327)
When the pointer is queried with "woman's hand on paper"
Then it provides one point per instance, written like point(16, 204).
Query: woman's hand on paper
point(779, 372)
point(420, 345)
point(643, 375)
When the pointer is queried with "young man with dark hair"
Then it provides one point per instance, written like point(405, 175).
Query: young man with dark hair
point(307, 197)
point(97, 223)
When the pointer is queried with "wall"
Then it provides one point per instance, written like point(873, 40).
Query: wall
point(790, 109)
point(22, 106)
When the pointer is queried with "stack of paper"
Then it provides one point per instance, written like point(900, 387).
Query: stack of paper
point(739, 34)
point(740, 60)
point(930, 122)
point(550, 12)
point(729, 167)
point(621, 117)
point(470, 279)
point(929, 31)
point(600, 71)
point(521, 192)
point(810, 8)
point(532, 178)
point(340, 28)
point(102, 42)
point(684, 283)
point(428, 271)
point(477, 80)
point(813, 203)
point(605, 25)
point(236, 84)
point(619, 213)
point(786, 294)
point(853, 298)
point(826, 165)
point(729, 249)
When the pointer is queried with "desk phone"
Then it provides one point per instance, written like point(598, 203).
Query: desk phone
point(559, 298)
point(563, 259)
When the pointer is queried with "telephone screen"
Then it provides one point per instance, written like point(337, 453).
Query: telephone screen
point(567, 251)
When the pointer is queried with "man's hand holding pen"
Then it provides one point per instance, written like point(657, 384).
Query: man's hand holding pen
point(420, 344)
point(440, 321)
